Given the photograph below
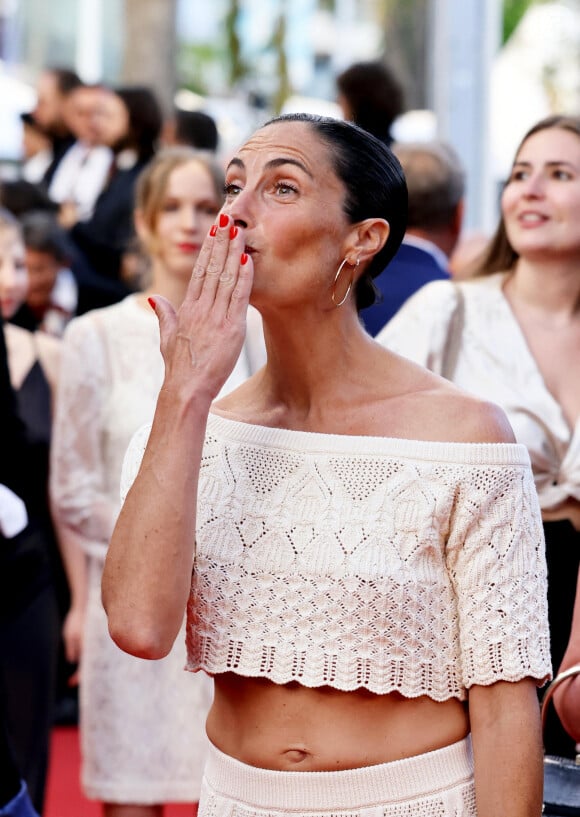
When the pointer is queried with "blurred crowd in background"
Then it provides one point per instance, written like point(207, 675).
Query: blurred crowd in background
point(69, 245)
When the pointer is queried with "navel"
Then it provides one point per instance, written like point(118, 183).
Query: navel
point(296, 756)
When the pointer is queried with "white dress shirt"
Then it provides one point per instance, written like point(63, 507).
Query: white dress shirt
point(80, 177)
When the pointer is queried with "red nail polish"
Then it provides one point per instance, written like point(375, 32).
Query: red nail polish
point(213, 230)
point(151, 302)
point(224, 220)
point(233, 232)
point(244, 259)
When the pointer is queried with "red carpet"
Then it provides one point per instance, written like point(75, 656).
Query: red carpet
point(64, 797)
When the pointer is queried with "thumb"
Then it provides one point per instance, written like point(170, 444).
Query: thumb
point(165, 312)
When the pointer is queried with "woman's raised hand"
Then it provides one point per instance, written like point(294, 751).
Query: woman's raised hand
point(202, 340)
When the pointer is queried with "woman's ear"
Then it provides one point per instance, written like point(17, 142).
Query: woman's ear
point(368, 238)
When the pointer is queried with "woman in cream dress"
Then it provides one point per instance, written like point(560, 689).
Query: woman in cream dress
point(512, 335)
point(142, 723)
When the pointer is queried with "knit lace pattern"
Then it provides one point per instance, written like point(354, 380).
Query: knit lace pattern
point(388, 564)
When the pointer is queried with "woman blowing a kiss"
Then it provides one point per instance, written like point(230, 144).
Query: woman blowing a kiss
point(357, 542)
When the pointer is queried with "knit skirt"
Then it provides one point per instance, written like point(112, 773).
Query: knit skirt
point(434, 784)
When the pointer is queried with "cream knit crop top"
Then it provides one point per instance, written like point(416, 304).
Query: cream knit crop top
point(388, 564)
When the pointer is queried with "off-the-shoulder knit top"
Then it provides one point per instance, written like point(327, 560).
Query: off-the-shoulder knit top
point(349, 561)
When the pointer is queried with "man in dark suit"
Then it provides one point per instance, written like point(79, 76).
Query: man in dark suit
point(436, 184)
point(53, 88)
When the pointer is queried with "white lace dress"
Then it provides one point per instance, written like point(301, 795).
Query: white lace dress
point(142, 722)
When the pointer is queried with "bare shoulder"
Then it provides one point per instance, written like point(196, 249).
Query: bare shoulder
point(436, 409)
point(473, 419)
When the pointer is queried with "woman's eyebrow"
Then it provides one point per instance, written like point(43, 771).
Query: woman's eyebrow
point(273, 163)
point(286, 161)
point(235, 162)
point(550, 163)
point(562, 162)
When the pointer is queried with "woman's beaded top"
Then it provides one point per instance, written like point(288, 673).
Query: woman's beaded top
point(388, 564)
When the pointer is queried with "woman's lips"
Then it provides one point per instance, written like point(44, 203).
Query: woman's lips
point(188, 247)
point(532, 218)
point(8, 307)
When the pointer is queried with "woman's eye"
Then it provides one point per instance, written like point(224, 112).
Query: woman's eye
point(284, 188)
point(562, 175)
point(232, 189)
point(517, 176)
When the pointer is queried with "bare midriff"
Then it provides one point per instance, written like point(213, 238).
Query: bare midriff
point(292, 727)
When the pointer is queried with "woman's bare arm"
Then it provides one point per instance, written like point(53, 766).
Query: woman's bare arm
point(147, 573)
point(507, 749)
point(567, 698)
point(74, 560)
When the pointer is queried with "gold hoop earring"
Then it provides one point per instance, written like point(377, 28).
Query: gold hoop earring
point(336, 277)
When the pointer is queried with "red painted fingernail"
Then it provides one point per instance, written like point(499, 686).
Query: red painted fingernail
point(213, 230)
point(233, 232)
point(224, 220)
point(151, 302)
point(244, 259)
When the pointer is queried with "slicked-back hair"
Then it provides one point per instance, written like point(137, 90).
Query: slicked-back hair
point(374, 186)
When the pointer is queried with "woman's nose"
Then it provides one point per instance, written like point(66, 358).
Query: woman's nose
point(189, 218)
point(240, 209)
point(534, 185)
